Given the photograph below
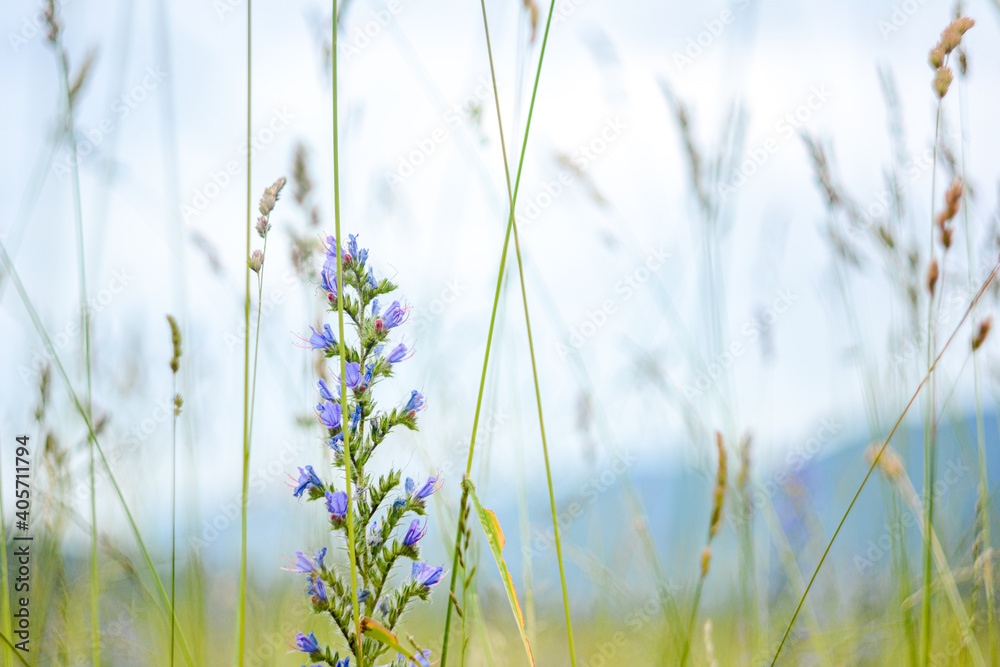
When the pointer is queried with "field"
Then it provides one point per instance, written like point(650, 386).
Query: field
point(484, 334)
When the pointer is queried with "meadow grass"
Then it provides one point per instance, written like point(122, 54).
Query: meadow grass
point(622, 629)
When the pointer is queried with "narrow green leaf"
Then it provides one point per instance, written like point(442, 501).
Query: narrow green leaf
point(494, 535)
point(375, 630)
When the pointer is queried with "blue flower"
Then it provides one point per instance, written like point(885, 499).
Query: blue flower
point(321, 341)
point(336, 504)
point(430, 486)
point(393, 316)
point(426, 575)
point(415, 404)
point(372, 284)
point(328, 276)
point(303, 565)
point(415, 532)
point(375, 308)
point(324, 391)
point(383, 605)
point(353, 251)
point(352, 372)
point(410, 486)
point(307, 644)
point(330, 414)
point(334, 443)
point(346, 662)
point(423, 658)
point(356, 418)
point(307, 478)
point(317, 589)
point(398, 354)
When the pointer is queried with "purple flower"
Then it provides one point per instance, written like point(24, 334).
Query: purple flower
point(328, 276)
point(307, 644)
point(352, 372)
point(415, 404)
point(316, 589)
point(423, 658)
point(426, 575)
point(356, 418)
point(324, 391)
point(415, 532)
point(430, 486)
point(330, 414)
point(321, 341)
point(398, 354)
point(336, 504)
point(303, 565)
point(307, 478)
point(360, 254)
point(393, 316)
point(335, 441)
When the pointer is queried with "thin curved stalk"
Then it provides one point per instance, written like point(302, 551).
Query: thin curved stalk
point(875, 461)
point(489, 336)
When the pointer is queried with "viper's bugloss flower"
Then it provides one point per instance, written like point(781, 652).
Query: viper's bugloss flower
point(398, 354)
point(334, 443)
point(423, 658)
point(430, 486)
point(356, 418)
point(352, 373)
point(359, 254)
point(325, 392)
point(307, 643)
point(372, 284)
point(426, 575)
point(304, 565)
point(324, 340)
point(393, 316)
point(307, 478)
point(415, 532)
point(375, 308)
point(316, 589)
point(336, 504)
point(328, 277)
point(330, 414)
point(383, 605)
point(415, 404)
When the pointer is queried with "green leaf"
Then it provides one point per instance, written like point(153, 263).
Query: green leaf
point(378, 632)
point(494, 535)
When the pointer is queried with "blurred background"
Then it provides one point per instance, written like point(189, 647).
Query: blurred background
point(687, 270)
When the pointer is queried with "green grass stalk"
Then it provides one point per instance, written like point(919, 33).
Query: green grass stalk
point(351, 537)
point(489, 336)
